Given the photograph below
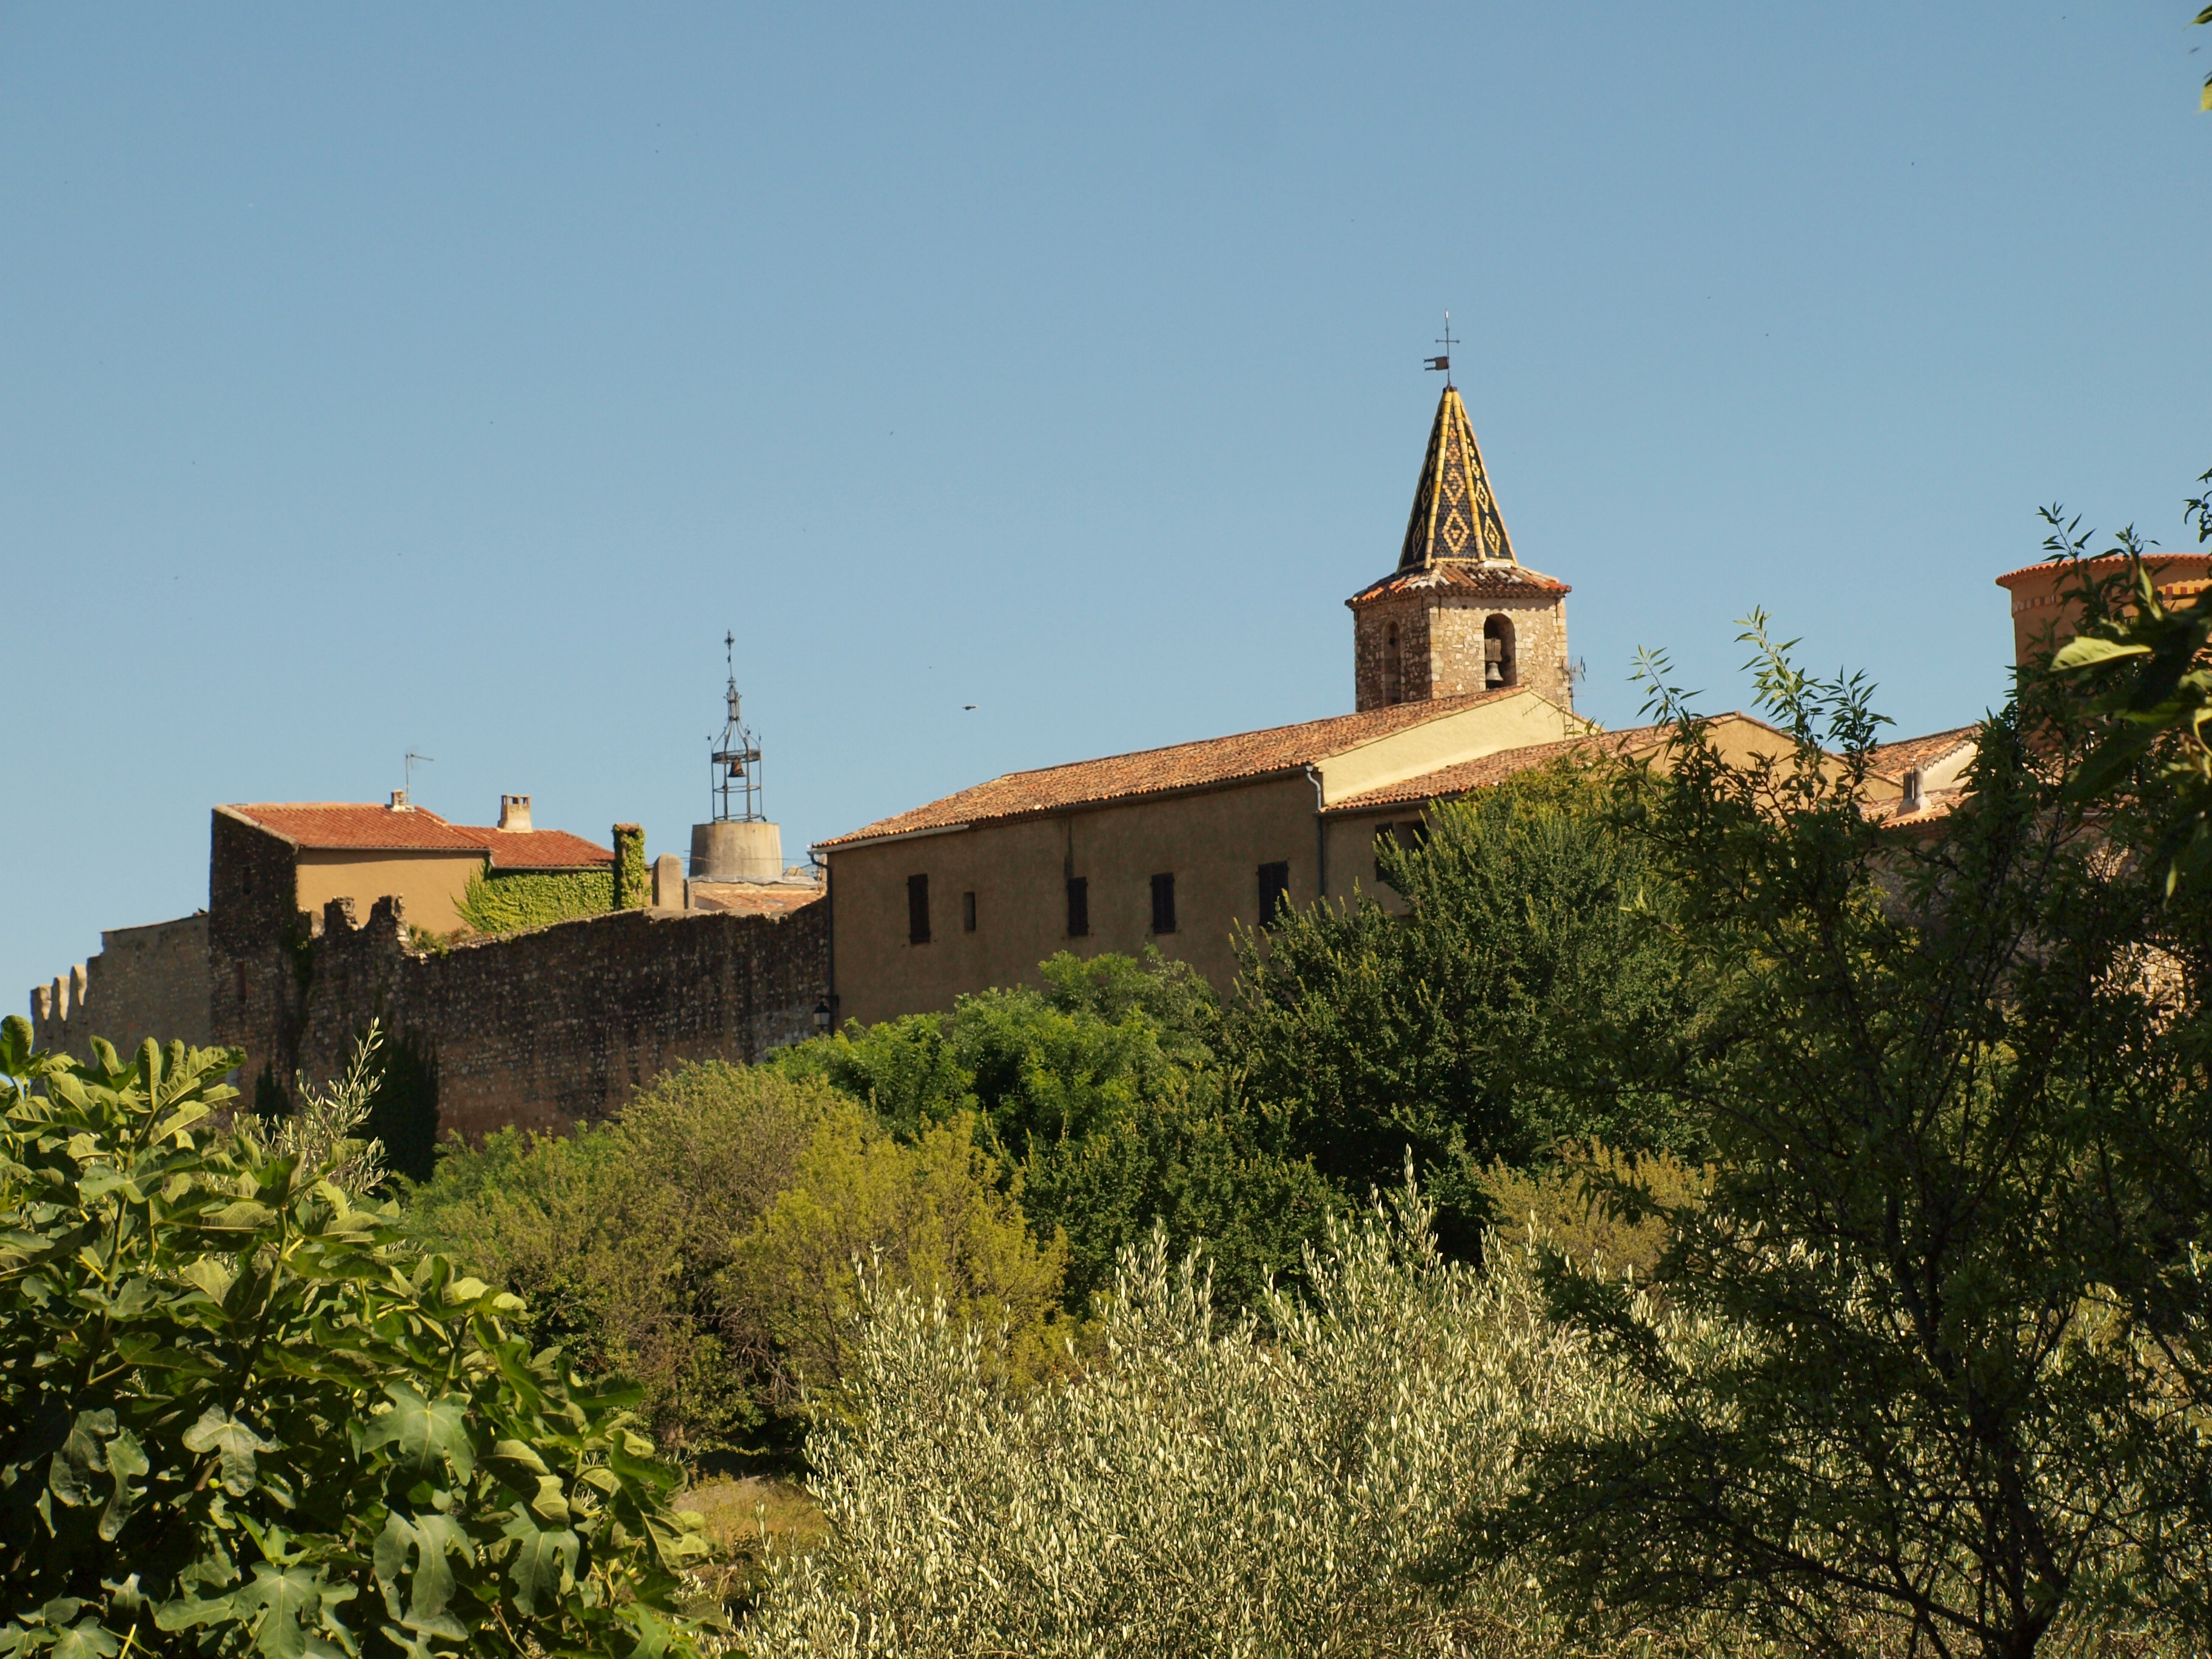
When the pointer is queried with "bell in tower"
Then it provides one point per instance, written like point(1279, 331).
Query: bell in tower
point(1460, 615)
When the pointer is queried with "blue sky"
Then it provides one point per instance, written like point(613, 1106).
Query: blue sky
point(451, 377)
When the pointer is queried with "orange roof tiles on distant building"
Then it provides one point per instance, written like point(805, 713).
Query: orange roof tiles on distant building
point(1893, 759)
point(360, 827)
point(1176, 769)
point(1470, 775)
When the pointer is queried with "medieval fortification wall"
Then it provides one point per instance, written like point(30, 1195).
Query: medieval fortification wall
point(549, 1029)
point(544, 1029)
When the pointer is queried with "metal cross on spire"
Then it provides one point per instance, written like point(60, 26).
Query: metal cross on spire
point(1442, 363)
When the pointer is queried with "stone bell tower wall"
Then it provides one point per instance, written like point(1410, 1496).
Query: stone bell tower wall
point(1537, 657)
point(1441, 647)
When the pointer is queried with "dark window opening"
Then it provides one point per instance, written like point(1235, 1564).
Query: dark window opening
point(967, 913)
point(1163, 919)
point(1274, 893)
point(1393, 674)
point(1078, 906)
point(917, 910)
point(1498, 668)
point(1385, 835)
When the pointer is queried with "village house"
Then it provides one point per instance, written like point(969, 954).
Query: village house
point(322, 916)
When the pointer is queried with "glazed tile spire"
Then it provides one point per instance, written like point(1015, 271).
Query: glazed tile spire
point(1455, 517)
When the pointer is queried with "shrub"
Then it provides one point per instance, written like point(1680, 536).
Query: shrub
point(1273, 1484)
point(703, 1244)
point(1460, 1031)
point(246, 1416)
point(616, 1235)
point(1099, 1093)
point(926, 1216)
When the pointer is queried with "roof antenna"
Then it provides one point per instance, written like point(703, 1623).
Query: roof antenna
point(736, 768)
point(407, 795)
point(1443, 362)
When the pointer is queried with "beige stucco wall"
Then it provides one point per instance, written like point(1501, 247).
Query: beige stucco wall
point(429, 884)
point(1212, 843)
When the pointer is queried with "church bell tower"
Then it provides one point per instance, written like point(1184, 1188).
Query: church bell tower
point(1460, 614)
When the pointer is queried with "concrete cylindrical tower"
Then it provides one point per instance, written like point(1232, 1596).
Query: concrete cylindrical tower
point(737, 849)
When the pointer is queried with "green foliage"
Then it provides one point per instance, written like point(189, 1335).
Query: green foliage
point(1461, 1031)
point(703, 1244)
point(2149, 664)
point(617, 1234)
point(1273, 1485)
point(507, 902)
point(2204, 103)
point(320, 1131)
point(1098, 1094)
point(1573, 1204)
point(1923, 1064)
point(244, 1416)
point(926, 1216)
point(633, 879)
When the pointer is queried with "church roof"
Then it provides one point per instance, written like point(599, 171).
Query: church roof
point(1177, 767)
point(1493, 578)
point(1455, 515)
point(1467, 776)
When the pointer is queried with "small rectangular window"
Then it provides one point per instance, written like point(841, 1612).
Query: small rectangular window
point(1164, 904)
point(917, 910)
point(967, 913)
point(1275, 892)
point(1385, 835)
point(1079, 907)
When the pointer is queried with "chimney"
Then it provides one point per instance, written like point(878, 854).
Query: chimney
point(1914, 798)
point(400, 801)
point(515, 811)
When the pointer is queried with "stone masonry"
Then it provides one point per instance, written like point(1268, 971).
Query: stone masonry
point(149, 982)
point(1441, 641)
point(552, 1028)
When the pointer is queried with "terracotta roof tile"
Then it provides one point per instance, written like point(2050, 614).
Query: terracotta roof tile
point(755, 898)
point(1934, 805)
point(1158, 771)
point(346, 826)
point(1496, 769)
point(1491, 578)
point(333, 826)
point(539, 849)
point(1894, 759)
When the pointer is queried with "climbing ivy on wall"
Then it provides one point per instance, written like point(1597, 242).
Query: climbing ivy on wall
point(507, 903)
point(633, 885)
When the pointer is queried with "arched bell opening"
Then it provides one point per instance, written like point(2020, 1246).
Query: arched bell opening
point(1499, 669)
point(1393, 673)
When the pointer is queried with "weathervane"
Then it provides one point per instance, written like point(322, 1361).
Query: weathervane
point(1442, 363)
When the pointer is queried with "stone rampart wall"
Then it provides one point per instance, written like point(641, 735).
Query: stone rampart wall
point(149, 982)
point(555, 1027)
